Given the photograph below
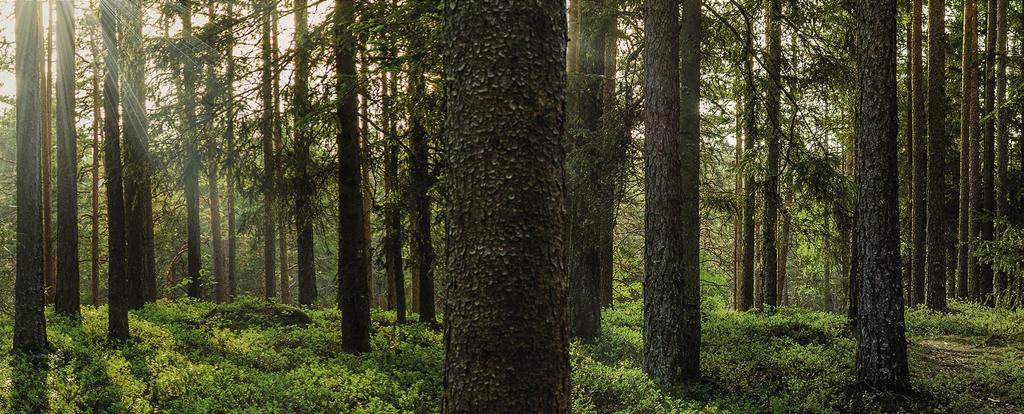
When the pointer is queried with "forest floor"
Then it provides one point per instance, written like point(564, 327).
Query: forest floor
point(256, 357)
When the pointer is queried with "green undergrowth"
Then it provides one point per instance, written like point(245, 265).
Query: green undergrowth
point(252, 356)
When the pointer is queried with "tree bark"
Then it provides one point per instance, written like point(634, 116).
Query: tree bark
point(769, 247)
point(67, 301)
point(213, 161)
point(49, 258)
point(229, 162)
point(283, 226)
point(353, 291)
point(267, 135)
point(304, 188)
point(987, 190)
point(919, 167)
point(969, 98)
point(746, 301)
point(505, 312)
point(1003, 136)
point(392, 208)
point(936, 186)
point(882, 353)
point(611, 127)
point(29, 297)
point(117, 279)
point(97, 97)
point(421, 180)
point(671, 171)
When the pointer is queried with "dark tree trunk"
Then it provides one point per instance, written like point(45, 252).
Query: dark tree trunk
point(229, 162)
point(671, 170)
point(421, 181)
point(611, 128)
point(936, 186)
point(1002, 207)
point(213, 92)
point(785, 238)
point(267, 135)
point(283, 224)
point(192, 161)
point(67, 301)
point(392, 208)
point(746, 299)
point(919, 167)
point(304, 188)
point(29, 298)
point(505, 89)
point(969, 98)
point(987, 190)
point(353, 289)
point(583, 197)
point(49, 258)
point(97, 102)
point(117, 279)
point(769, 255)
point(882, 352)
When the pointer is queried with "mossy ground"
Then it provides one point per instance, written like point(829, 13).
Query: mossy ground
point(256, 357)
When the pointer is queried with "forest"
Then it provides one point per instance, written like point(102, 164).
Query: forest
point(509, 206)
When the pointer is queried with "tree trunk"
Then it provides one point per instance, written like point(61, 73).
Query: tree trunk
point(393, 212)
point(49, 258)
point(882, 352)
point(353, 292)
point(29, 297)
point(671, 170)
point(609, 182)
point(117, 279)
point(213, 163)
point(936, 186)
point(67, 301)
point(785, 239)
point(421, 180)
point(583, 256)
point(267, 136)
point(769, 254)
point(919, 167)
point(987, 190)
point(94, 287)
point(229, 162)
point(1003, 135)
point(505, 310)
point(746, 300)
point(969, 98)
point(283, 234)
point(192, 161)
point(304, 188)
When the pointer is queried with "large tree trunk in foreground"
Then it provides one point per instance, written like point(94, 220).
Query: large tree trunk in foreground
point(67, 301)
point(29, 299)
point(936, 186)
point(506, 305)
point(882, 352)
point(117, 278)
point(353, 289)
point(671, 170)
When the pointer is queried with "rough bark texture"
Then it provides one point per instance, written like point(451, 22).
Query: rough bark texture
point(882, 351)
point(919, 167)
point(769, 255)
point(67, 300)
point(192, 160)
point(1002, 207)
point(969, 98)
point(936, 186)
point(353, 288)
point(117, 279)
point(29, 299)
point(304, 187)
point(267, 147)
point(505, 83)
point(746, 299)
point(583, 196)
point(987, 190)
point(671, 168)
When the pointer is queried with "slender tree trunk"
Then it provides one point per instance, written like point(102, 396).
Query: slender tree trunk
point(192, 161)
point(919, 167)
point(267, 135)
point(421, 180)
point(117, 279)
point(229, 162)
point(785, 239)
point(29, 296)
point(499, 321)
point(987, 190)
point(609, 182)
point(769, 254)
point(671, 171)
point(882, 352)
point(283, 224)
point(304, 188)
point(353, 289)
point(49, 258)
point(138, 196)
point(746, 301)
point(936, 223)
point(393, 212)
point(221, 290)
point(1003, 135)
point(97, 96)
point(969, 98)
point(67, 301)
